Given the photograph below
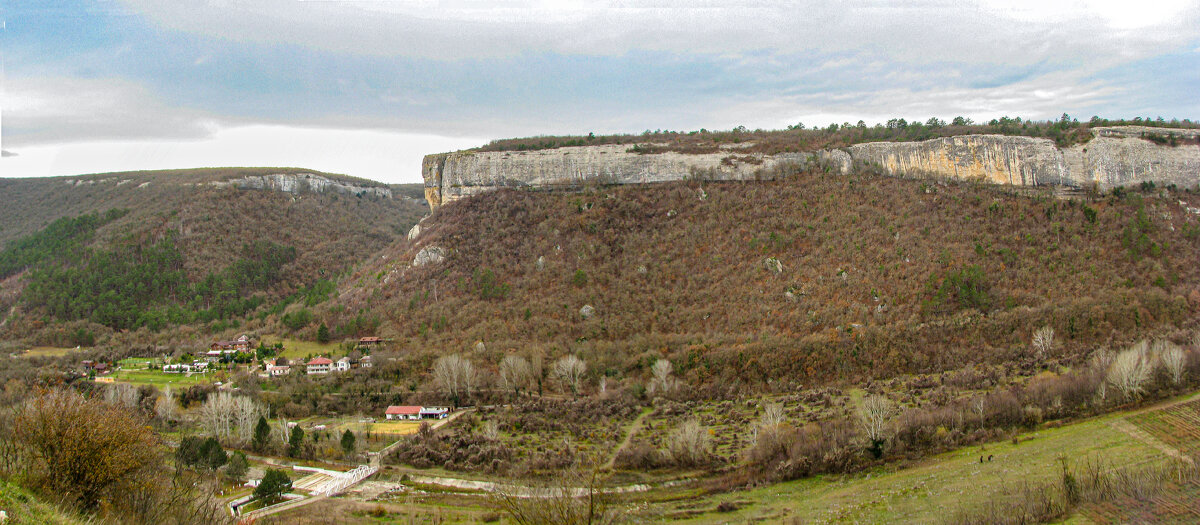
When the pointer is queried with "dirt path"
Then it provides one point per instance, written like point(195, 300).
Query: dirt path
point(633, 429)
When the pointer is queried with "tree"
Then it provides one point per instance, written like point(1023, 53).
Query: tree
point(164, 406)
point(262, 434)
point(322, 334)
point(662, 383)
point(189, 451)
point(569, 371)
point(348, 445)
point(295, 441)
point(875, 414)
point(689, 444)
point(273, 485)
point(212, 456)
point(571, 498)
point(456, 375)
point(1043, 341)
point(84, 447)
point(237, 467)
point(1172, 359)
point(1130, 370)
point(515, 373)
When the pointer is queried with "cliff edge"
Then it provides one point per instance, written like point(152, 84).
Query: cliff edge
point(1116, 156)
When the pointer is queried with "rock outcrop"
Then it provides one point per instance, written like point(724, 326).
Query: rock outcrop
point(300, 182)
point(1114, 157)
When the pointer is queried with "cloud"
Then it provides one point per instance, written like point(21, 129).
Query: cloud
point(64, 109)
point(379, 155)
point(1024, 32)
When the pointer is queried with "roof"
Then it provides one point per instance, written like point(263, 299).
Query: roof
point(370, 339)
point(321, 361)
point(403, 410)
point(434, 410)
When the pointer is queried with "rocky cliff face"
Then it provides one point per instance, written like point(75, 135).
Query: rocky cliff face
point(299, 182)
point(1115, 157)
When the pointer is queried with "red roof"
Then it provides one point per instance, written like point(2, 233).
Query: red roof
point(370, 340)
point(403, 410)
point(321, 361)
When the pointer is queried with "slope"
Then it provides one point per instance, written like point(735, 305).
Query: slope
point(205, 239)
point(808, 279)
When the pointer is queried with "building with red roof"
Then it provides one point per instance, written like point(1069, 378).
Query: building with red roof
point(320, 365)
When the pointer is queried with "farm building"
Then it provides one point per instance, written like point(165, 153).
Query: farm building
point(404, 412)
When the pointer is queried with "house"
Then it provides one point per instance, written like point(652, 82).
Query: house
point(241, 344)
point(365, 362)
point(434, 412)
point(276, 368)
point(342, 365)
point(320, 365)
point(404, 412)
point(368, 342)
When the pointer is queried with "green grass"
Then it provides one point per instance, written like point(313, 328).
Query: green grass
point(294, 349)
point(24, 509)
point(47, 351)
point(928, 488)
point(159, 379)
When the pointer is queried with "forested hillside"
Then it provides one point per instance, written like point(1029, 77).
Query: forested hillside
point(803, 280)
point(86, 256)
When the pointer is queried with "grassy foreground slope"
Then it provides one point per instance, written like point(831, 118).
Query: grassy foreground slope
point(24, 509)
point(808, 279)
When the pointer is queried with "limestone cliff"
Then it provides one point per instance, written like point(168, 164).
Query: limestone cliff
point(299, 182)
point(1115, 157)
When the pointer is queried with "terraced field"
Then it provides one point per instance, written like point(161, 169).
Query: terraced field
point(1177, 426)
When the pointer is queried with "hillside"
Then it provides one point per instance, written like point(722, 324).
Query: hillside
point(804, 279)
point(212, 244)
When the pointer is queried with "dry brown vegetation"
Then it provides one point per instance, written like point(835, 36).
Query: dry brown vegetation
point(876, 277)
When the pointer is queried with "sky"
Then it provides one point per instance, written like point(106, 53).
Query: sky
point(366, 88)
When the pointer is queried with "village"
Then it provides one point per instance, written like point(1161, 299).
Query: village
point(313, 469)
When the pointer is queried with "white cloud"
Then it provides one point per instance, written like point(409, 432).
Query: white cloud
point(1020, 32)
point(379, 155)
point(62, 109)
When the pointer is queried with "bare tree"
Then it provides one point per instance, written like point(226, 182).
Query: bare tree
point(1043, 341)
point(245, 415)
point(456, 375)
point(1130, 370)
point(165, 407)
point(769, 424)
point(1172, 358)
point(515, 373)
point(875, 414)
point(569, 371)
point(121, 394)
point(217, 414)
point(689, 444)
point(662, 382)
point(570, 499)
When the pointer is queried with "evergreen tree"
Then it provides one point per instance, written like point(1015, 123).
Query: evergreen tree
point(262, 433)
point(274, 484)
point(237, 467)
point(348, 442)
point(212, 456)
point(323, 334)
point(295, 441)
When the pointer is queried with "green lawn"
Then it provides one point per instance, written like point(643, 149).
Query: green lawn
point(932, 487)
point(295, 349)
point(133, 370)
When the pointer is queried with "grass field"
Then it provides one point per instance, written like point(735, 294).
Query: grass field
point(133, 370)
point(929, 488)
point(295, 349)
point(48, 351)
point(1177, 426)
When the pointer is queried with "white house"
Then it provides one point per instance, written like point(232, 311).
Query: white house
point(342, 365)
point(365, 362)
point(274, 369)
point(403, 412)
point(320, 365)
point(434, 412)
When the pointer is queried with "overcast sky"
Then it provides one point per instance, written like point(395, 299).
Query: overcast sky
point(367, 88)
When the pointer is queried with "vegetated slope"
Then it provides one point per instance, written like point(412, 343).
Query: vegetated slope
point(168, 248)
point(807, 279)
point(1064, 132)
